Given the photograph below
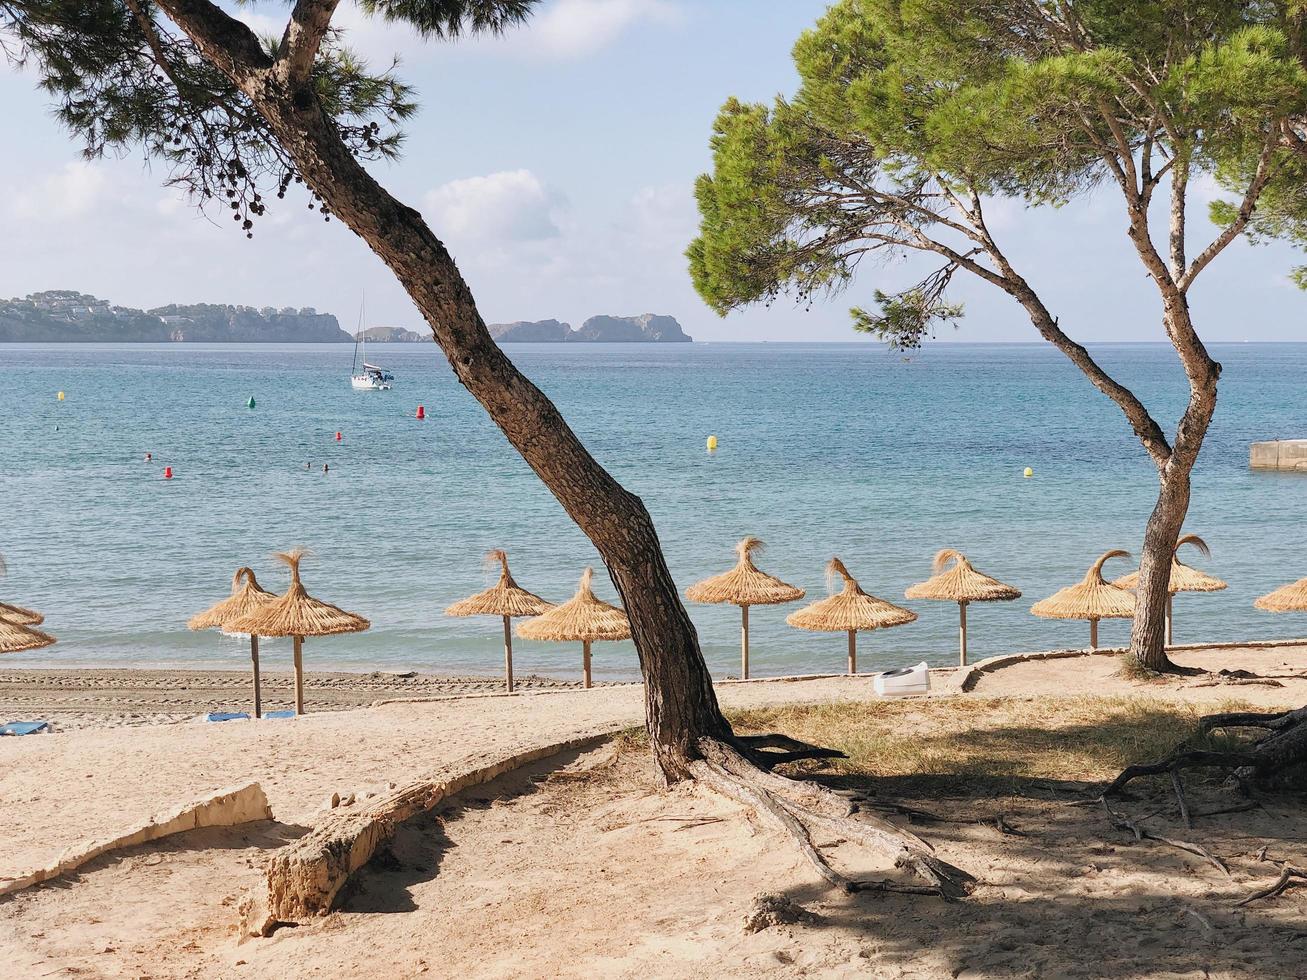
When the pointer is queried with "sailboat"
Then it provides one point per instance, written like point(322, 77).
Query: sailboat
point(371, 378)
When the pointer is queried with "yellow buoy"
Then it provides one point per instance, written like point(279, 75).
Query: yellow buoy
point(1028, 473)
point(61, 396)
point(712, 444)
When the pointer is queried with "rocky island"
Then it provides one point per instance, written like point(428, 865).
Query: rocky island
point(649, 328)
point(67, 316)
point(395, 335)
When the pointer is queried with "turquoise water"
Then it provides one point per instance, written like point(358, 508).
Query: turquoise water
point(824, 449)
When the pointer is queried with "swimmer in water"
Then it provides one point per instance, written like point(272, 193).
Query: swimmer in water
point(326, 468)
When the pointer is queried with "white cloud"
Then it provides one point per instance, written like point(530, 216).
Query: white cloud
point(69, 192)
point(573, 28)
point(499, 208)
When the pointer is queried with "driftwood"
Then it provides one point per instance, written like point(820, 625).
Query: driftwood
point(303, 879)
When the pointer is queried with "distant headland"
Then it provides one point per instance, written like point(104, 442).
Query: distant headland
point(67, 316)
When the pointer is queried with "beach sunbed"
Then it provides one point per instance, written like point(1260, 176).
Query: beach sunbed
point(227, 716)
point(279, 714)
point(24, 727)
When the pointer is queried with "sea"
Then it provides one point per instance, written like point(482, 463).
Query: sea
point(823, 449)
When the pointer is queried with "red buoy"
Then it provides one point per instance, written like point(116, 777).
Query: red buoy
point(422, 412)
point(338, 437)
point(167, 472)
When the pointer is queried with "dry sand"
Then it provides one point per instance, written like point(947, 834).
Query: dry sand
point(582, 867)
point(596, 872)
point(58, 789)
point(1280, 677)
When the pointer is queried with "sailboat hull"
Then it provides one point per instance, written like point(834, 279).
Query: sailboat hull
point(365, 382)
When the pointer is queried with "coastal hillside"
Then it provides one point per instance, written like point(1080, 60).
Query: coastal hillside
point(644, 329)
point(67, 316)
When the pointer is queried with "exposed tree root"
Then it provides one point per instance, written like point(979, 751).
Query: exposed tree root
point(1122, 822)
point(1288, 876)
point(1284, 746)
point(798, 808)
point(860, 802)
point(789, 749)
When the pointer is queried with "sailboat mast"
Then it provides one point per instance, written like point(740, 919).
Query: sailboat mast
point(359, 337)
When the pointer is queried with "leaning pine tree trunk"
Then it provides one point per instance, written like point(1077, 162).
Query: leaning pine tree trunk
point(680, 702)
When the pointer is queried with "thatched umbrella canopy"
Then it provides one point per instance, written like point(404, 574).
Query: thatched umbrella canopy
point(246, 597)
point(963, 584)
point(21, 616)
point(297, 614)
point(1287, 598)
point(506, 599)
point(1184, 578)
point(744, 585)
point(1092, 598)
point(584, 618)
point(849, 611)
point(15, 637)
point(17, 614)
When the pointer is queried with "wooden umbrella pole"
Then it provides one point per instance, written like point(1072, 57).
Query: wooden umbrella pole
point(853, 651)
point(299, 675)
point(1170, 618)
point(258, 692)
point(962, 633)
point(744, 643)
point(586, 662)
point(508, 654)
point(1093, 634)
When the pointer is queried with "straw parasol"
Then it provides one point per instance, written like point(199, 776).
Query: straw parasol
point(15, 637)
point(1092, 598)
point(507, 599)
point(961, 584)
point(1184, 578)
point(582, 617)
point(297, 615)
point(17, 614)
point(1287, 598)
point(744, 585)
point(849, 611)
point(246, 597)
point(21, 616)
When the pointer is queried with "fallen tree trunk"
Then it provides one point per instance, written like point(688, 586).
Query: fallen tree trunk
point(304, 878)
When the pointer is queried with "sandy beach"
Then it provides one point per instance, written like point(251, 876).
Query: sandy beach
point(534, 870)
point(110, 698)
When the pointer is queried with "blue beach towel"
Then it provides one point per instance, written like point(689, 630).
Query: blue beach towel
point(24, 727)
point(279, 714)
point(227, 716)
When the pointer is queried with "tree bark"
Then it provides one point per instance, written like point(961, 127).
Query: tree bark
point(1148, 634)
point(681, 707)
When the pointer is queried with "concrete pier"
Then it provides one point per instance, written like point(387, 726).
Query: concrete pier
point(1283, 454)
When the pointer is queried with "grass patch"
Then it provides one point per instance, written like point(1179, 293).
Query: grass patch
point(998, 743)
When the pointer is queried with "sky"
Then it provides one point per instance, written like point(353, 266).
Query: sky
point(558, 163)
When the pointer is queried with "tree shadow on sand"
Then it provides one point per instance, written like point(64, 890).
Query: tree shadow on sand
point(416, 850)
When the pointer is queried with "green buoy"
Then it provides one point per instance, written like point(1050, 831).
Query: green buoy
point(250, 403)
